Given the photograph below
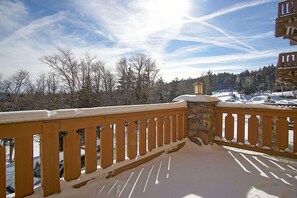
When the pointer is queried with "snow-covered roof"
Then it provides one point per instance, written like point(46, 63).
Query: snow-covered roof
point(38, 115)
point(196, 98)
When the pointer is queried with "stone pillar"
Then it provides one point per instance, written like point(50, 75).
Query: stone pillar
point(201, 118)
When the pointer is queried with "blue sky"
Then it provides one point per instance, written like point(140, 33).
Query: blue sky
point(185, 37)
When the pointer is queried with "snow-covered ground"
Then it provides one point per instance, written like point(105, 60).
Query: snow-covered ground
point(260, 98)
point(193, 171)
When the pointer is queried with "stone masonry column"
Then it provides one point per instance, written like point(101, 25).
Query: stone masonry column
point(201, 118)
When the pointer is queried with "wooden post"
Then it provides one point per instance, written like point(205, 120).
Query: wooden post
point(267, 131)
point(72, 156)
point(160, 131)
point(142, 137)
point(24, 166)
point(2, 172)
point(282, 129)
point(120, 141)
point(49, 142)
point(166, 130)
point(229, 127)
point(240, 128)
point(173, 128)
point(219, 119)
point(185, 124)
point(106, 146)
point(180, 127)
point(90, 149)
point(132, 140)
point(253, 128)
point(151, 134)
point(295, 136)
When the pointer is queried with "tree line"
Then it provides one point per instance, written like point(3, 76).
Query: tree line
point(85, 82)
point(88, 82)
point(246, 82)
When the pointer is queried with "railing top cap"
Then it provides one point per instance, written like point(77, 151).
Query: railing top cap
point(42, 115)
point(248, 106)
point(197, 98)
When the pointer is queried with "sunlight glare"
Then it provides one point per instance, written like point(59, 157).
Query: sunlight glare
point(168, 11)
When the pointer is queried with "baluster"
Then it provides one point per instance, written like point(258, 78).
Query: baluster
point(290, 60)
point(132, 140)
point(240, 128)
point(120, 141)
point(166, 130)
point(23, 166)
point(295, 136)
point(173, 128)
point(293, 59)
point(179, 127)
point(282, 128)
point(106, 146)
point(160, 131)
point(219, 119)
point(72, 156)
point(2, 172)
point(185, 116)
point(253, 132)
point(50, 170)
point(267, 131)
point(290, 7)
point(151, 134)
point(90, 149)
point(279, 9)
point(229, 127)
point(283, 62)
point(142, 137)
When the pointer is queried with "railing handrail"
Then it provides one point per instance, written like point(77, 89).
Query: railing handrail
point(287, 59)
point(255, 109)
point(45, 115)
point(125, 133)
point(287, 53)
point(258, 127)
point(287, 7)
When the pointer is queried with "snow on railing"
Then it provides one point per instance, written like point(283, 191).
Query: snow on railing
point(287, 7)
point(126, 133)
point(260, 128)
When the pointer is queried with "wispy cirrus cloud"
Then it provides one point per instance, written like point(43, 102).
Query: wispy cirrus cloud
point(170, 31)
point(234, 8)
point(13, 15)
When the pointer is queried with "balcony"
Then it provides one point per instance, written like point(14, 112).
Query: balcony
point(286, 24)
point(287, 67)
point(144, 151)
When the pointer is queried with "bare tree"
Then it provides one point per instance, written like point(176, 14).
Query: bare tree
point(66, 67)
point(126, 82)
point(41, 84)
point(146, 71)
point(1, 84)
point(52, 83)
point(16, 84)
point(108, 85)
point(86, 92)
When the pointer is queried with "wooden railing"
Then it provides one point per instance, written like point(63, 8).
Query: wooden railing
point(287, 7)
point(259, 129)
point(137, 130)
point(287, 59)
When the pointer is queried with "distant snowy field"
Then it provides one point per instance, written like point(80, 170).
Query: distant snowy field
point(258, 98)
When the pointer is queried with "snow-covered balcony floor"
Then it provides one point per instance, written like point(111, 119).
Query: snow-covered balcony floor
point(193, 171)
